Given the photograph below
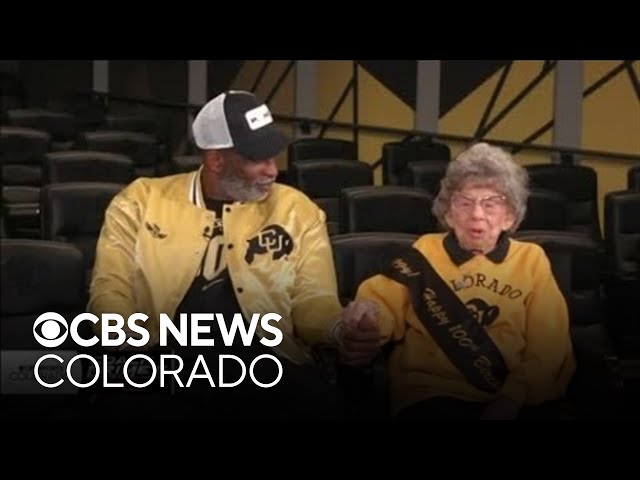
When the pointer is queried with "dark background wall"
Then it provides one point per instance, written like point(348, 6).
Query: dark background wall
point(52, 79)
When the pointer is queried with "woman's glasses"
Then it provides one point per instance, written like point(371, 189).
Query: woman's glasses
point(490, 205)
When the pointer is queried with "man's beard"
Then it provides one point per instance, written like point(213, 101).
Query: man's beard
point(240, 189)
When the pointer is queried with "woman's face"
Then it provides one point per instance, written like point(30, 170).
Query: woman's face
point(478, 215)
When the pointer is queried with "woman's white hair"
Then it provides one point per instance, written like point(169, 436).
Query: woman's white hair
point(486, 166)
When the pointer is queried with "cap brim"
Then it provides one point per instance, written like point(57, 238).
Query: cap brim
point(266, 145)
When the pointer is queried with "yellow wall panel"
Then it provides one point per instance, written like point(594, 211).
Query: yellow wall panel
point(531, 113)
point(532, 157)
point(611, 115)
point(247, 75)
point(464, 118)
point(283, 100)
point(521, 74)
point(610, 122)
point(594, 70)
point(333, 78)
point(380, 107)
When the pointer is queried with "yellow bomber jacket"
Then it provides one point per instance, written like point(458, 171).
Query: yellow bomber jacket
point(152, 242)
point(512, 292)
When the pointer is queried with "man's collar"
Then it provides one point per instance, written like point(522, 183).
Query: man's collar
point(195, 192)
point(459, 255)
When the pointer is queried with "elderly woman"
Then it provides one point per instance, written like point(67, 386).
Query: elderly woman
point(479, 325)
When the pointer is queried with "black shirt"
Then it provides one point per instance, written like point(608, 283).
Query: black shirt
point(212, 290)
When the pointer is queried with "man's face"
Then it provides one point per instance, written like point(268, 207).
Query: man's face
point(246, 180)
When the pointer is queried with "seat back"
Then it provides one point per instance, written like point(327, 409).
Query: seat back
point(622, 278)
point(141, 148)
point(576, 262)
point(22, 154)
point(386, 209)
point(396, 157)
point(579, 185)
point(3, 228)
point(633, 178)
point(87, 166)
point(60, 126)
point(427, 174)
point(21, 207)
point(37, 276)
point(546, 210)
point(331, 208)
point(327, 177)
point(74, 213)
point(622, 231)
point(141, 123)
point(358, 256)
point(323, 180)
point(315, 148)
point(87, 108)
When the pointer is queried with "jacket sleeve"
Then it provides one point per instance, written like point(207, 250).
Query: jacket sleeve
point(547, 363)
point(111, 289)
point(393, 302)
point(315, 306)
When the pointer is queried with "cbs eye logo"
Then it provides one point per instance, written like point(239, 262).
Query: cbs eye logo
point(50, 329)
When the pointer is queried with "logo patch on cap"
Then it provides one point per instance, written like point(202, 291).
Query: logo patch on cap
point(258, 117)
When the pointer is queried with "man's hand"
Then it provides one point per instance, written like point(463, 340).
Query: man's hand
point(502, 408)
point(359, 333)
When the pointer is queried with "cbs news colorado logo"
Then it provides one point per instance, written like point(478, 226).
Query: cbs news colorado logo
point(51, 330)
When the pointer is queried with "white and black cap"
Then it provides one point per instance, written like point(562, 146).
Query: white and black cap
point(239, 120)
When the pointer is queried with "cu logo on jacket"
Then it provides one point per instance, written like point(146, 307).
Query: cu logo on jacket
point(272, 239)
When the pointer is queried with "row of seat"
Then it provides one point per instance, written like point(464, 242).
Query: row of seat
point(64, 127)
point(68, 212)
point(550, 207)
point(404, 163)
point(398, 159)
point(562, 196)
point(24, 150)
point(39, 276)
point(75, 210)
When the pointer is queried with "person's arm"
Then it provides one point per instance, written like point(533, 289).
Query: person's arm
point(547, 362)
point(392, 301)
point(318, 317)
point(315, 307)
point(111, 289)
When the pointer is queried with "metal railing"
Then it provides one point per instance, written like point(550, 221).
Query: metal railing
point(307, 123)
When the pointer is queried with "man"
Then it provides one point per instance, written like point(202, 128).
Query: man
point(227, 239)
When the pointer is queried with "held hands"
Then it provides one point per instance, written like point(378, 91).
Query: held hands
point(358, 333)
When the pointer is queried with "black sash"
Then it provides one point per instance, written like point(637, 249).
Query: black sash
point(451, 325)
